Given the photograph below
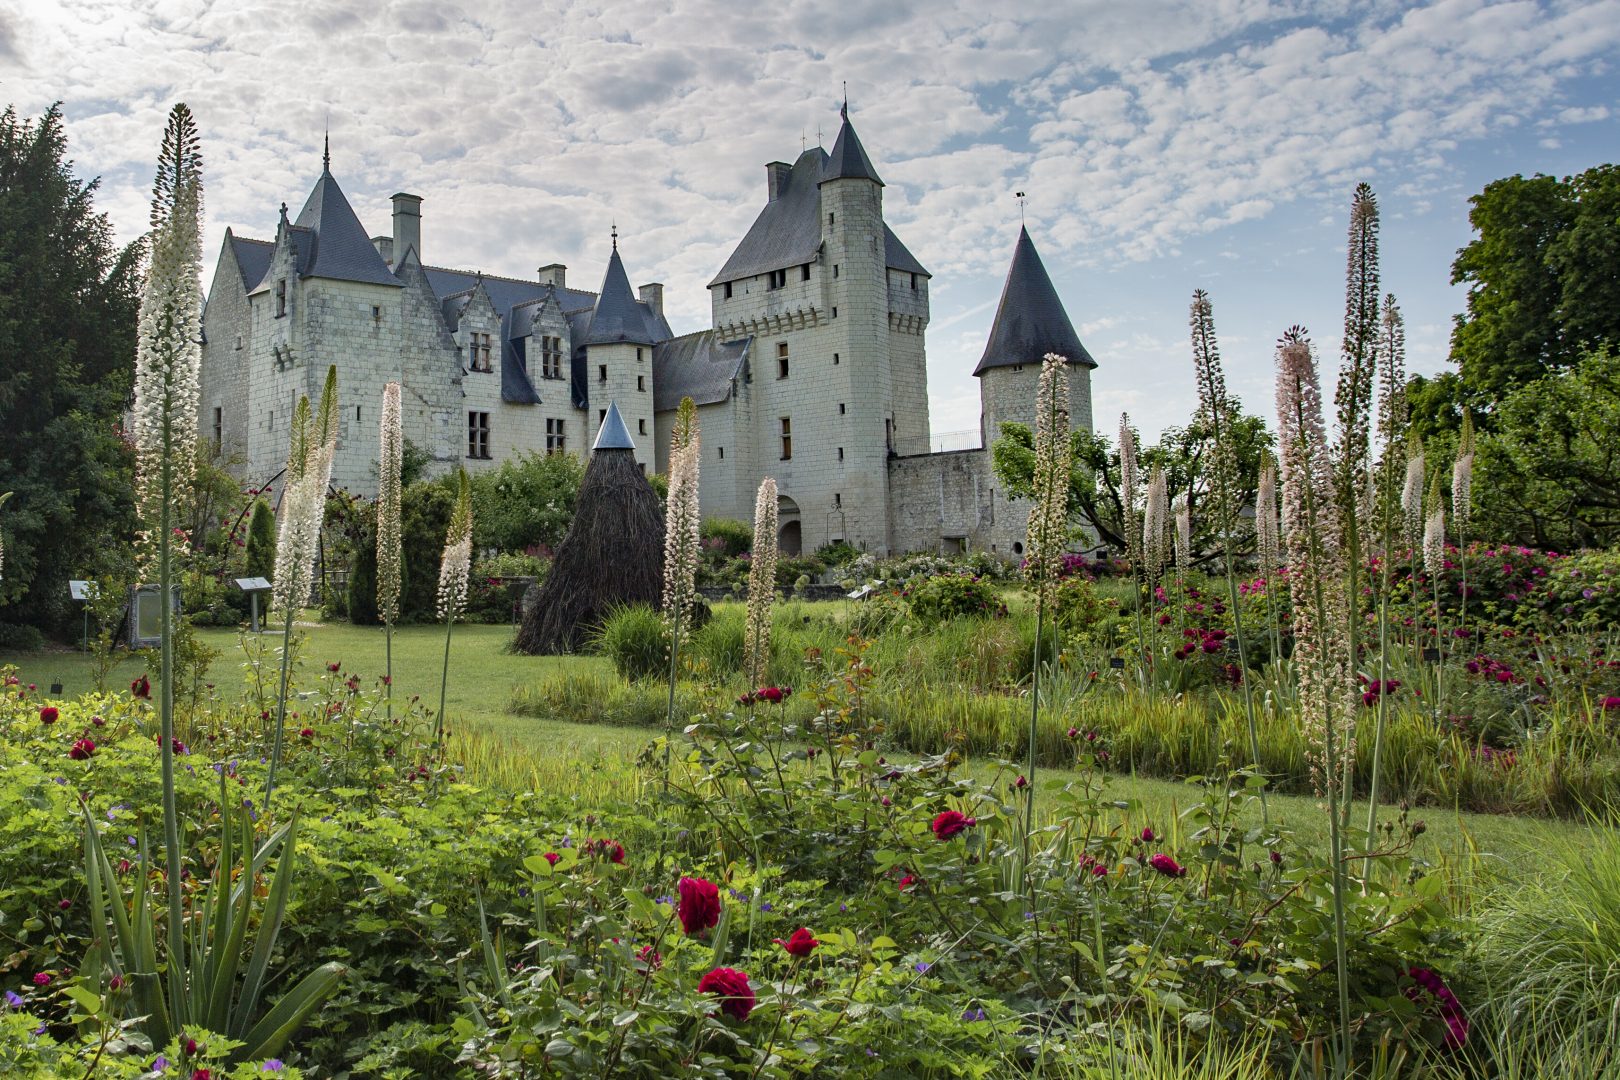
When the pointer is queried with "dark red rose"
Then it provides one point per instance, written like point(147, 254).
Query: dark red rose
point(141, 687)
point(306, 733)
point(651, 957)
point(552, 857)
point(950, 822)
point(772, 694)
point(736, 996)
point(1167, 866)
point(800, 943)
point(906, 882)
point(82, 750)
point(699, 906)
point(48, 714)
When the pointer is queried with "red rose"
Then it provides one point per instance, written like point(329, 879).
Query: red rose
point(699, 907)
point(651, 957)
point(141, 687)
point(1167, 866)
point(799, 943)
point(906, 882)
point(306, 733)
point(611, 850)
point(552, 857)
point(736, 996)
point(950, 822)
point(772, 694)
point(48, 714)
point(82, 749)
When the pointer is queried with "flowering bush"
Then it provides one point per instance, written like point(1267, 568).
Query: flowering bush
point(947, 596)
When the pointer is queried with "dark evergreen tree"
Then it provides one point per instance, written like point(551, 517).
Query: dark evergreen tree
point(261, 541)
point(68, 304)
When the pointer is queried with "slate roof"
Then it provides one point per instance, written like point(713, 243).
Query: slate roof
point(699, 366)
point(252, 258)
point(849, 157)
point(341, 248)
point(1030, 321)
point(787, 231)
point(613, 435)
point(619, 316)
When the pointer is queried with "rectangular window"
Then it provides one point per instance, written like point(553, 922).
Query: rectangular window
point(781, 359)
point(835, 311)
point(601, 415)
point(804, 272)
point(787, 439)
point(838, 499)
point(641, 427)
point(478, 350)
point(219, 427)
point(776, 279)
point(601, 373)
point(478, 434)
point(238, 341)
point(835, 269)
point(555, 443)
point(914, 281)
point(840, 453)
point(270, 420)
point(641, 383)
point(357, 414)
point(728, 290)
point(376, 312)
point(835, 359)
point(281, 297)
point(722, 453)
point(830, 218)
point(551, 357)
point(639, 352)
point(841, 408)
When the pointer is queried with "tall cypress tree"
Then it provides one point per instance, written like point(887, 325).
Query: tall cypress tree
point(68, 304)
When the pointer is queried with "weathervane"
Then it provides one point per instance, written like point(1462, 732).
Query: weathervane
point(615, 235)
point(1021, 198)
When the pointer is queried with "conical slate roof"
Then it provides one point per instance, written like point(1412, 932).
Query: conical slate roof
point(342, 249)
point(613, 435)
point(1030, 322)
point(848, 158)
point(619, 316)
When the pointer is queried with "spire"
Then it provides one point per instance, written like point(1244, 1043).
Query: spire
point(326, 153)
point(848, 158)
point(1030, 321)
point(615, 234)
point(613, 435)
point(619, 315)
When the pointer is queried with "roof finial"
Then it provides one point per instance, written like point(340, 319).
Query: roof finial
point(326, 150)
point(284, 213)
point(615, 236)
point(1021, 197)
point(843, 113)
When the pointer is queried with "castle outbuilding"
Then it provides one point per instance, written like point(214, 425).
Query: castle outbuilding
point(813, 370)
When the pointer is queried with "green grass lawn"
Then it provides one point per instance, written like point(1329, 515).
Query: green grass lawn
point(483, 672)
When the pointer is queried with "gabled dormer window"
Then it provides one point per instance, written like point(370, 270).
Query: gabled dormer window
point(550, 357)
point(478, 352)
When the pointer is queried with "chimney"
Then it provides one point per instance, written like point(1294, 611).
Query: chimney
point(385, 248)
point(652, 294)
point(776, 179)
point(554, 274)
point(407, 225)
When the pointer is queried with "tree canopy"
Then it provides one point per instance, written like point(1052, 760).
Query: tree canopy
point(68, 304)
point(1542, 288)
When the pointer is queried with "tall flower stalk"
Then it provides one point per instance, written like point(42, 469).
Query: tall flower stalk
point(1216, 410)
point(1047, 538)
point(1462, 504)
point(455, 567)
point(1323, 660)
point(168, 361)
point(761, 584)
point(390, 552)
point(1268, 549)
point(683, 524)
point(1129, 478)
point(1434, 564)
point(1391, 369)
point(312, 444)
point(1155, 548)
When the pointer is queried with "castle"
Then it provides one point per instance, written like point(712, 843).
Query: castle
point(813, 371)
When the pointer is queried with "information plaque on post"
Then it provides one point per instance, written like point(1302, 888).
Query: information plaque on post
point(146, 614)
point(253, 586)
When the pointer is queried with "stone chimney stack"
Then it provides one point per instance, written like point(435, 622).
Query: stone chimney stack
point(555, 274)
point(385, 248)
point(407, 226)
point(652, 294)
point(776, 178)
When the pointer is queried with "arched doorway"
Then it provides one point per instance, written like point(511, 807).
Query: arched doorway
point(789, 533)
point(790, 541)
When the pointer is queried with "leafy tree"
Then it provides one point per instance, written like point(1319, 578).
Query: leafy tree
point(1094, 498)
point(1541, 281)
point(526, 502)
point(1549, 474)
point(68, 304)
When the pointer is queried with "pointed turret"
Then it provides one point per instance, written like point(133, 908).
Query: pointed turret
point(1030, 321)
point(848, 159)
point(338, 246)
point(613, 435)
point(619, 315)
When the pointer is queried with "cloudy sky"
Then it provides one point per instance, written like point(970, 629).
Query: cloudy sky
point(1165, 145)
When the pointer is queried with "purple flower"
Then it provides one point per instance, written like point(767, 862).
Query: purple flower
point(160, 1063)
point(273, 1065)
point(974, 1015)
point(14, 1000)
point(922, 967)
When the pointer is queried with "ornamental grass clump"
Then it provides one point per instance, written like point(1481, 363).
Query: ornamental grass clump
point(454, 566)
point(761, 584)
point(168, 361)
point(390, 552)
point(1322, 655)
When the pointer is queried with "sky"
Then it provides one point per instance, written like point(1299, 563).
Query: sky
point(1162, 145)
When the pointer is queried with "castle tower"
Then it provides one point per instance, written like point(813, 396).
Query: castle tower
point(1030, 322)
point(618, 347)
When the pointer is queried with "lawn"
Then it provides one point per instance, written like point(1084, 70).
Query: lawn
point(598, 757)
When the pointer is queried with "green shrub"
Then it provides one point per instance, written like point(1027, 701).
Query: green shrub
point(735, 537)
point(528, 502)
point(20, 637)
point(636, 639)
point(261, 542)
point(946, 596)
point(838, 553)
